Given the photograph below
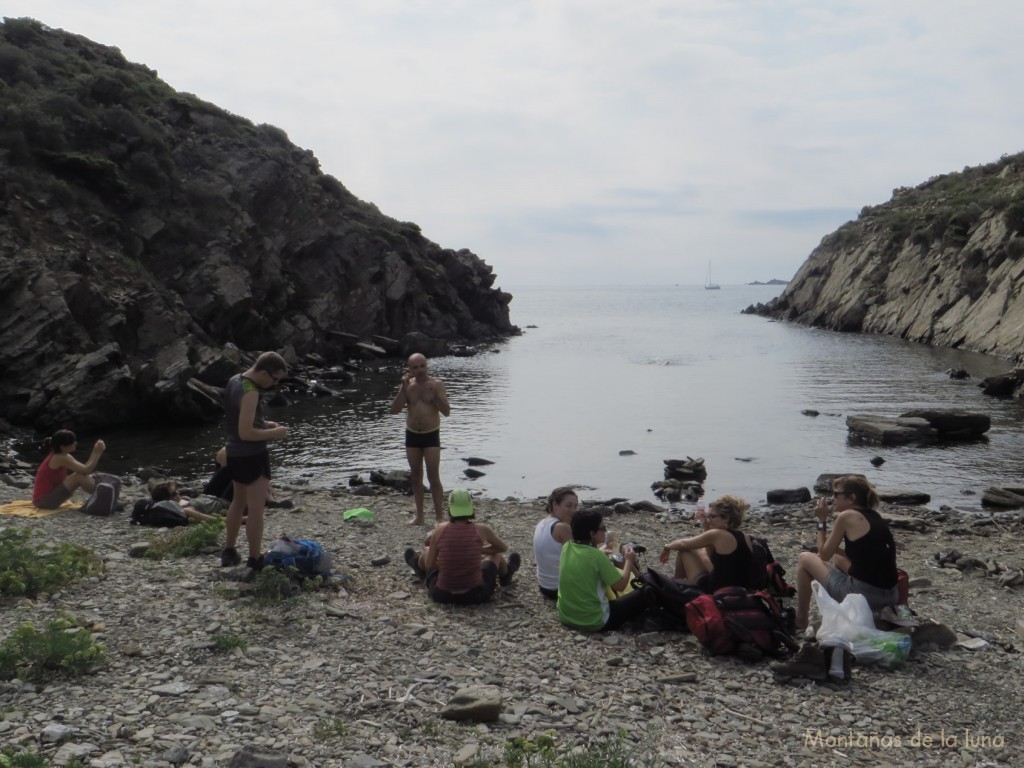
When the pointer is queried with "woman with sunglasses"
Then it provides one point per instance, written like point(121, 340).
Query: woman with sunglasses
point(865, 565)
point(584, 571)
point(721, 555)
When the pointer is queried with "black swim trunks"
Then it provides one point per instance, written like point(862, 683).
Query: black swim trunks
point(248, 469)
point(423, 439)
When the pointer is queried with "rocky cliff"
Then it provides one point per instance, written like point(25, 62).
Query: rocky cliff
point(940, 263)
point(147, 235)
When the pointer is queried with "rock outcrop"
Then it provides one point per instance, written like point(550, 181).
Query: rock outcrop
point(147, 236)
point(940, 263)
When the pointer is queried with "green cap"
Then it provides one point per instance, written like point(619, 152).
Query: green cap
point(460, 504)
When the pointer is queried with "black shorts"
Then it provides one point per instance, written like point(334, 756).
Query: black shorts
point(423, 439)
point(474, 596)
point(248, 469)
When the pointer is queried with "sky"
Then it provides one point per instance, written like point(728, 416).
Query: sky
point(591, 142)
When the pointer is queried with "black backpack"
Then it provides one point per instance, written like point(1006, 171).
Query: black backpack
point(766, 572)
point(667, 599)
point(158, 514)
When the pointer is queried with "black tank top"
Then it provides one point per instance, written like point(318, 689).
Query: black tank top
point(873, 555)
point(732, 570)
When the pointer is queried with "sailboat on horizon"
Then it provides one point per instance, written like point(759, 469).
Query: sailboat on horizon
point(708, 285)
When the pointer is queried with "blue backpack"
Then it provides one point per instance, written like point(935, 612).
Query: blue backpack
point(306, 556)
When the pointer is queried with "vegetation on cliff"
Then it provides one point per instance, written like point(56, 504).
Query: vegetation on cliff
point(146, 233)
point(940, 263)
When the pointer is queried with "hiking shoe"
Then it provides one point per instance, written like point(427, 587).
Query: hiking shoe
point(514, 561)
point(412, 559)
point(809, 662)
point(229, 557)
point(255, 563)
point(898, 615)
point(839, 663)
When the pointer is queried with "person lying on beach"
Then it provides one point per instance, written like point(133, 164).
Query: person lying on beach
point(462, 560)
point(866, 565)
point(549, 536)
point(585, 571)
point(165, 507)
point(721, 555)
point(60, 474)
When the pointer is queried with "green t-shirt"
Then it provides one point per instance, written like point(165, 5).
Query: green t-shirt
point(583, 573)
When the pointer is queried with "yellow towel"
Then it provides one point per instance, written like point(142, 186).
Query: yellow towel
point(28, 509)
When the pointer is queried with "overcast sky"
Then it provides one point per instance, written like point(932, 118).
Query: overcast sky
point(598, 142)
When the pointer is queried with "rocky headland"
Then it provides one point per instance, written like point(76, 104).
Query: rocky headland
point(361, 675)
point(939, 263)
point(148, 239)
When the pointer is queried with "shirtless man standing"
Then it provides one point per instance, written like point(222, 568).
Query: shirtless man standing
point(426, 399)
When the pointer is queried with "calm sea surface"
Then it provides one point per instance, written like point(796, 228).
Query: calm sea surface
point(666, 372)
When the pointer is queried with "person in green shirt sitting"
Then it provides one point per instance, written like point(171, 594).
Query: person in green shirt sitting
point(584, 571)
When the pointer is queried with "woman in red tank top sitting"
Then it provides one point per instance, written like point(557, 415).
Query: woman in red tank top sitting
point(60, 474)
point(865, 565)
point(721, 555)
point(462, 559)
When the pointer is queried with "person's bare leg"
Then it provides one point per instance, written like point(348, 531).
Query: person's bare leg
point(689, 566)
point(432, 458)
point(75, 480)
point(256, 501)
point(809, 568)
point(236, 511)
point(415, 457)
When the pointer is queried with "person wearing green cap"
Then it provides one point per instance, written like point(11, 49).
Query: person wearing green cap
point(462, 560)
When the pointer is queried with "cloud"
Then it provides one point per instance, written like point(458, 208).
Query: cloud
point(627, 141)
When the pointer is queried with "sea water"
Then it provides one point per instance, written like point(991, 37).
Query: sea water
point(605, 383)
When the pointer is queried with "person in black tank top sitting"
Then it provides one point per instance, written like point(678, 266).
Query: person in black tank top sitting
point(865, 564)
point(721, 555)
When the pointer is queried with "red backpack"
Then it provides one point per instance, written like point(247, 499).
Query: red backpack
point(733, 616)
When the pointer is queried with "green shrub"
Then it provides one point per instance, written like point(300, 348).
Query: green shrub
point(1014, 216)
point(273, 586)
point(542, 752)
point(330, 729)
point(10, 758)
point(223, 643)
point(29, 568)
point(61, 648)
point(187, 541)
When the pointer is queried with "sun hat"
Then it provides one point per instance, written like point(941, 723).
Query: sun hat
point(460, 503)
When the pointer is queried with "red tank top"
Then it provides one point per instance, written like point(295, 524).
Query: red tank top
point(47, 479)
point(459, 550)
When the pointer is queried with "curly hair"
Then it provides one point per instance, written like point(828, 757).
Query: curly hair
point(733, 507)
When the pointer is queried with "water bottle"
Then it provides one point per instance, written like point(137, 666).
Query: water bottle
point(701, 515)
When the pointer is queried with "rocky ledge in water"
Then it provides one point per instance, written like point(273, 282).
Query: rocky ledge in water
point(363, 676)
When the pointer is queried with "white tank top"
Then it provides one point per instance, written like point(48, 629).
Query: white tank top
point(547, 552)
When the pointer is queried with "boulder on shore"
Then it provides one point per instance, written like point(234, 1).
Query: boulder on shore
point(888, 430)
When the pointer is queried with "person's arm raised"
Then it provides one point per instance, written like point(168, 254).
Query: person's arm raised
point(442, 398)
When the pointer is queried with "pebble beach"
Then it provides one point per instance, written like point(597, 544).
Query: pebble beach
point(359, 675)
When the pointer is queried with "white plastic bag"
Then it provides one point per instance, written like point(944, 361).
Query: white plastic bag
point(851, 625)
